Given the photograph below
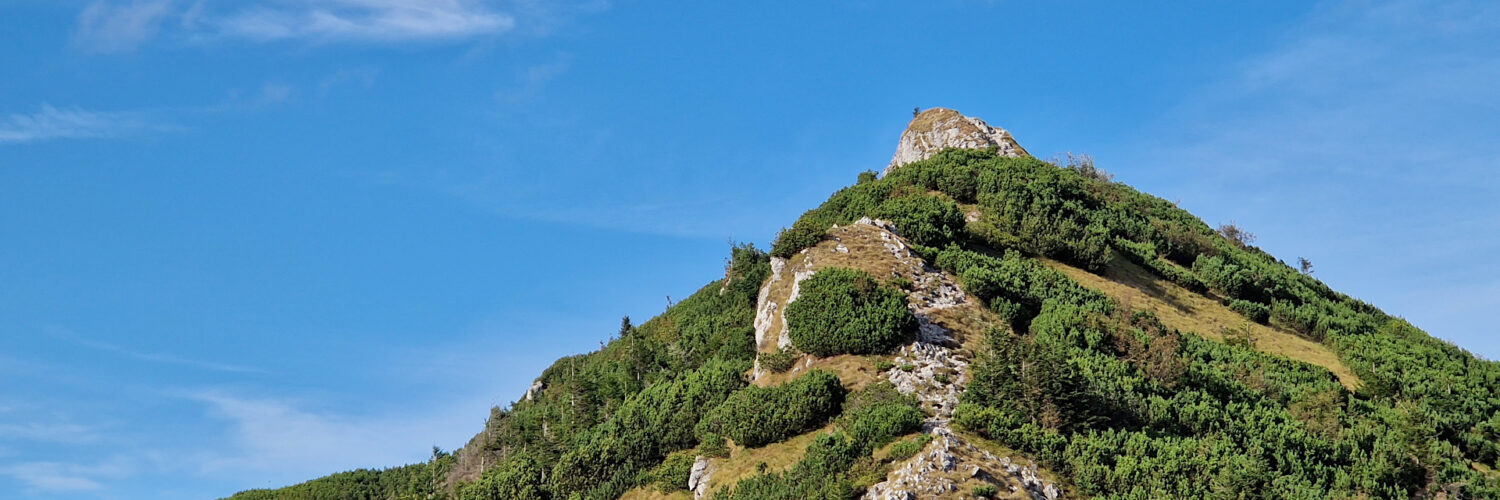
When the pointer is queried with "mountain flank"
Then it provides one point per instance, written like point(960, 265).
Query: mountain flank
point(978, 323)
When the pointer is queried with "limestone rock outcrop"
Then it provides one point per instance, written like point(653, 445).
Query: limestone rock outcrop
point(934, 129)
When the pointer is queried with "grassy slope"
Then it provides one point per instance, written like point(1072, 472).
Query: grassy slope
point(1179, 308)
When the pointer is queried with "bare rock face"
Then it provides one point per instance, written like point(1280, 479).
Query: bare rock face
point(937, 128)
point(699, 476)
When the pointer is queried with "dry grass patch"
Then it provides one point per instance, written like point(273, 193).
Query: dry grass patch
point(649, 492)
point(967, 322)
point(855, 372)
point(1137, 288)
point(744, 462)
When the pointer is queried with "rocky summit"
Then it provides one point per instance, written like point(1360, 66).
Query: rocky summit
point(934, 129)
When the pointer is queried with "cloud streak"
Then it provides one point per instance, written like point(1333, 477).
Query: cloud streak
point(58, 477)
point(107, 26)
point(366, 20)
point(290, 442)
point(153, 357)
point(49, 123)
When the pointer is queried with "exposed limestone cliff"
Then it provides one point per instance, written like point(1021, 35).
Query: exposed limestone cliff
point(937, 128)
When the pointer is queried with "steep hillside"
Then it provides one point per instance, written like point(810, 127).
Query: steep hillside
point(980, 323)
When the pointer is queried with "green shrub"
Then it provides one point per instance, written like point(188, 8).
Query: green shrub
point(672, 474)
point(884, 365)
point(844, 311)
point(645, 428)
point(1257, 312)
point(823, 473)
point(520, 476)
point(923, 219)
point(757, 416)
point(713, 445)
point(803, 234)
point(909, 448)
point(984, 491)
point(1015, 286)
point(780, 360)
point(879, 425)
point(879, 413)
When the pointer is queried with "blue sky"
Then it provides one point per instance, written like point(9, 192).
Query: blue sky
point(250, 243)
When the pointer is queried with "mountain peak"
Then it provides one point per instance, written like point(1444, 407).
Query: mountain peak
point(933, 129)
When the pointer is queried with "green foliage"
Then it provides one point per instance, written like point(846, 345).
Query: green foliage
point(1027, 204)
point(713, 445)
point(1202, 418)
point(1015, 286)
point(648, 425)
point(1146, 254)
point(845, 311)
point(417, 481)
point(757, 416)
point(984, 491)
point(672, 474)
point(803, 234)
point(822, 474)
point(909, 448)
point(1092, 397)
point(780, 360)
point(1106, 397)
point(844, 207)
point(922, 219)
point(878, 414)
point(520, 477)
point(1256, 311)
point(581, 392)
point(839, 465)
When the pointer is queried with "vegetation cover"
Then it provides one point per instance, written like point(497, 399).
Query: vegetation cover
point(760, 415)
point(838, 465)
point(846, 311)
point(1106, 396)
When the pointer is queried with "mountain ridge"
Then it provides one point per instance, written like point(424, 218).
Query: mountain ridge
point(1068, 337)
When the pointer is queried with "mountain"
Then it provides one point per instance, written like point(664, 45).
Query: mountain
point(978, 323)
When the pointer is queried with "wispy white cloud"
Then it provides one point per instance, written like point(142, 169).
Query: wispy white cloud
point(48, 432)
point(367, 20)
point(286, 440)
point(111, 26)
point(107, 27)
point(59, 477)
point(53, 123)
point(151, 357)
